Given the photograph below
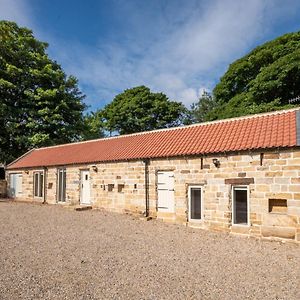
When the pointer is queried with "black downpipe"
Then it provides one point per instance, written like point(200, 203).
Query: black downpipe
point(146, 162)
point(45, 185)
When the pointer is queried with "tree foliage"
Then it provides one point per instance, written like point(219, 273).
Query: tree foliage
point(200, 110)
point(138, 109)
point(93, 126)
point(39, 104)
point(263, 80)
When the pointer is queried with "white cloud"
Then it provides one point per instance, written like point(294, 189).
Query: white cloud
point(186, 54)
point(16, 10)
point(177, 47)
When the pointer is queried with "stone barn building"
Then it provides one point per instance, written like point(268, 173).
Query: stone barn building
point(238, 175)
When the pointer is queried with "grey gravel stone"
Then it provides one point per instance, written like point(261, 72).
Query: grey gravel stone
point(48, 252)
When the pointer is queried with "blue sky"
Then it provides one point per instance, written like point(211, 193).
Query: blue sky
point(178, 47)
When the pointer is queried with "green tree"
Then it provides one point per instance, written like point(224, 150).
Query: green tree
point(138, 109)
point(263, 80)
point(205, 104)
point(93, 126)
point(39, 104)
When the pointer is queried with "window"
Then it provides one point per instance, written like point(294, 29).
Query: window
point(195, 203)
point(278, 206)
point(38, 182)
point(110, 187)
point(61, 185)
point(120, 188)
point(240, 206)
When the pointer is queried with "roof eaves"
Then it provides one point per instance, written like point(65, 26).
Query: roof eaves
point(22, 156)
point(298, 128)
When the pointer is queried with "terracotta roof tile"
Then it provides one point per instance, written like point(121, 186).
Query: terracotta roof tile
point(247, 133)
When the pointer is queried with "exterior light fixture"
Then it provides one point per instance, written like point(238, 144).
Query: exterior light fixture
point(26, 172)
point(95, 168)
point(216, 162)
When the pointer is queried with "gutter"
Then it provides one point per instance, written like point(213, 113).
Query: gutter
point(146, 162)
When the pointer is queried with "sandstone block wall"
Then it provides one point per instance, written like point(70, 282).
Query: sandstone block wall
point(120, 187)
point(3, 188)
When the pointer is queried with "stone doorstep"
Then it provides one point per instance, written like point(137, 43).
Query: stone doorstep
point(82, 207)
point(78, 207)
point(145, 218)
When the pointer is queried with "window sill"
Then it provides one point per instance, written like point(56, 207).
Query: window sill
point(240, 225)
point(195, 220)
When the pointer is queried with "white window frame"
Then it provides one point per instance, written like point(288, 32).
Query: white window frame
point(190, 200)
point(243, 188)
point(58, 185)
point(39, 186)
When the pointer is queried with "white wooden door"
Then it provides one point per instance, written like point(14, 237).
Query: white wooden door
point(165, 190)
point(15, 185)
point(85, 194)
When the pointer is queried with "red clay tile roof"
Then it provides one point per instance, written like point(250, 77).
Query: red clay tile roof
point(247, 133)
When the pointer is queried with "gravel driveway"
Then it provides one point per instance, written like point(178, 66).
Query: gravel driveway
point(49, 252)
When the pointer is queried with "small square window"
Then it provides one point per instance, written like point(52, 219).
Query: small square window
point(120, 188)
point(110, 187)
point(278, 206)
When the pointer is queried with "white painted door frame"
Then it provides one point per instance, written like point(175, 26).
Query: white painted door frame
point(190, 202)
point(85, 187)
point(15, 183)
point(241, 188)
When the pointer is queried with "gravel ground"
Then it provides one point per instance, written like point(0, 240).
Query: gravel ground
point(49, 252)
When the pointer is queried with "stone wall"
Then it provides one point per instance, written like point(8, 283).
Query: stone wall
point(277, 177)
point(120, 187)
point(3, 188)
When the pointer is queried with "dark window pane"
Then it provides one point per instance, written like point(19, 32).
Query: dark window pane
point(195, 203)
point(61, 185)
point(41, 184)
point(36, 184)
point(64, 186)
point(240, 207)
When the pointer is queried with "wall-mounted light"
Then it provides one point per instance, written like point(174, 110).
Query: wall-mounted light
point(216, 162)
point(95, 168)
point(26, 172)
